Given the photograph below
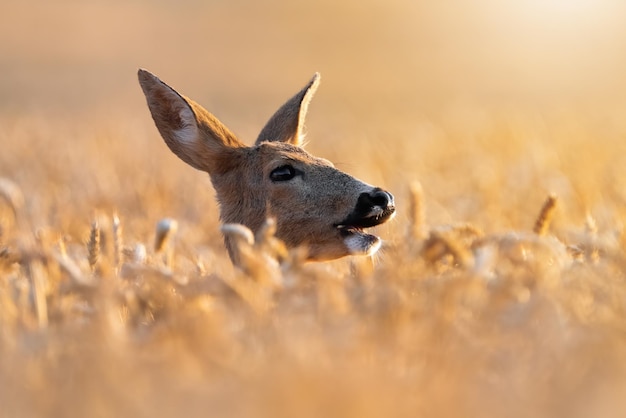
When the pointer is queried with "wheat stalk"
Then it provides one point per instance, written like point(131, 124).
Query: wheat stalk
point(117, 241)
point(164, 231)
point(542, 224)
point(591, 226)
point(62, 247)
point(440, 244)
point(417, 227)
point(267, 242)
point(93, 245)
point(166, 228)
point(12, 194)
point(238, 232)
point(38, 283)
point(138, 253)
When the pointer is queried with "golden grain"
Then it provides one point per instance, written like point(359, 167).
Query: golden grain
point(93, 245)
point(417, 228)
point(165, 230)
point(466, 314)
point(38, 282)
point(118, 243)
point(12, 195)
point(163, 242)
point(544, 219)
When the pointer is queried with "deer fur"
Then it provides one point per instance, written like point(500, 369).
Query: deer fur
point(314, 205)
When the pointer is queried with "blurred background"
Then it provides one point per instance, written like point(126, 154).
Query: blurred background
point(489, 104)
point(395, 57)
point(465, 96)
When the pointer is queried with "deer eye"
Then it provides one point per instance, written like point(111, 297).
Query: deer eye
point(283, 173)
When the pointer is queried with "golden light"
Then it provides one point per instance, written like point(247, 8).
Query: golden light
point(576, 15)
point(564, 6)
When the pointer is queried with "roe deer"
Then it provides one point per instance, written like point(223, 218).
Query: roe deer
point(314, 204)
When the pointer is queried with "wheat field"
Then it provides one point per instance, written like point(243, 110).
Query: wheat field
point(500, 290)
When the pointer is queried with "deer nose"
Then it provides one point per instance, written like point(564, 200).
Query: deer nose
point(376, 197)
point(372, 208)
point(382, 198)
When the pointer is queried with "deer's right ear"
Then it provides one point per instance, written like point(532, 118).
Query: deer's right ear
point(287, 124)
point(192, 133)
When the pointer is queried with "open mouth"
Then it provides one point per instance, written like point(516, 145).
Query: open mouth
point(376, 217)
point(352, 230)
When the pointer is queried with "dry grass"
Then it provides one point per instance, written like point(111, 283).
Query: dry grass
point(117, 297)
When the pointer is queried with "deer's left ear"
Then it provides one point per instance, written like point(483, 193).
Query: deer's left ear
point(190, 131)
point(287, 124)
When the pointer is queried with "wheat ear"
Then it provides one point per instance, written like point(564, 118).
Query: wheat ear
point(416, 211)
point(93, 245)
point(12, 194)
point(38, 283)
point(166, 228)
point(542, 224)
point(117, 241)
point(164, 231)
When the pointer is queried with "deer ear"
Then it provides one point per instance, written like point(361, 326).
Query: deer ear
point(286, 125)
point(192, 133)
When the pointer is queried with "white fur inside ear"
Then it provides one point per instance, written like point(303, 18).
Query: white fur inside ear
point(189, 131)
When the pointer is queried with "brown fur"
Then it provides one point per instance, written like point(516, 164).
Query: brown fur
point(307, 208)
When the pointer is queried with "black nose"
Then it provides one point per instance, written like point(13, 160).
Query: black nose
point(372, 208)
point(382, 198)
point(376, 197)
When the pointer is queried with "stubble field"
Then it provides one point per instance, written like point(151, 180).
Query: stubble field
point(500, 289)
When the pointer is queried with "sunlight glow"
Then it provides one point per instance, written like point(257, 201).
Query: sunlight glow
point(566, 5)
point(566, 9)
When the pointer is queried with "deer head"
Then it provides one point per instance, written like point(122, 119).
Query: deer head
point(314, 204)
